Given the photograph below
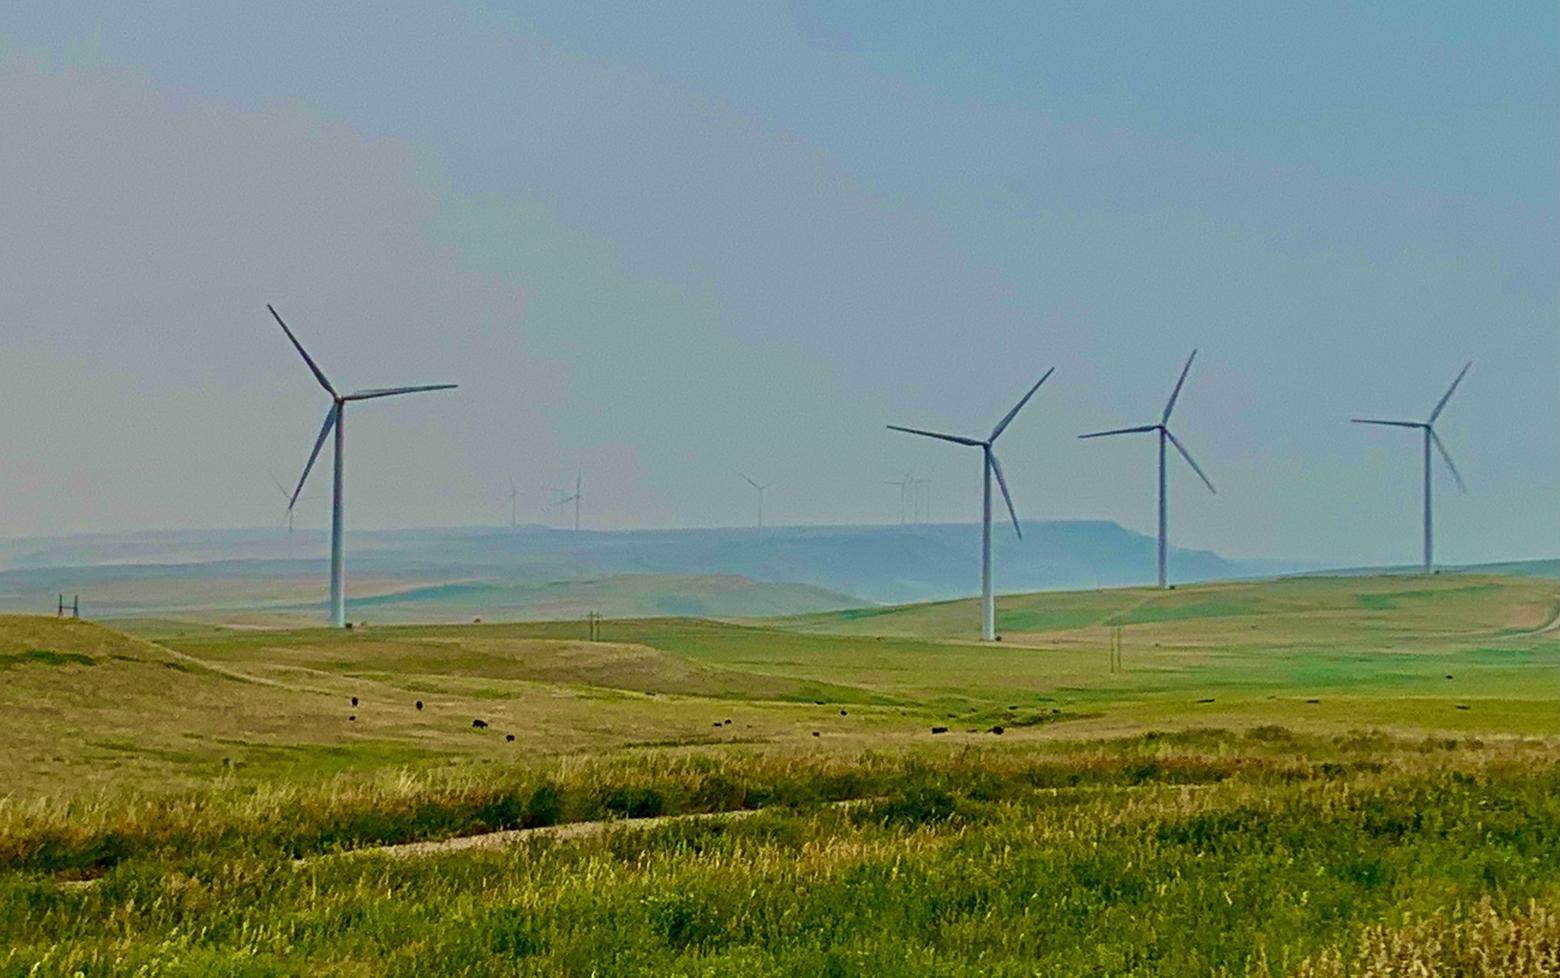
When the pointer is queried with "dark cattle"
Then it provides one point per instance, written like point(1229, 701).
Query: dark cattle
point(815, 733)
point(1206, 699)
point(419, 704)
point(354, 701)
point(843, 713)
point(352, 717)
point(728, 722)
point(717, 723)
point(938, 730)
point(1463, 706)
point(1313, 701)
point(997, 730)
point(510, 738)
point(1448, 675)
point(479, 724)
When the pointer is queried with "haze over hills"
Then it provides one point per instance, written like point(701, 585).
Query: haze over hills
point(533, 571)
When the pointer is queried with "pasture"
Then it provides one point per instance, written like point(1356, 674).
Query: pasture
point(1282, 777)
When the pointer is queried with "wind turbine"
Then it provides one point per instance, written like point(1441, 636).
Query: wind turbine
point(903, 484)
point(760, 489)
point(1163, 430)
point(1430, 438)
point(287, 495)
point(575, 499)
point(335, 418)
point(989, 467)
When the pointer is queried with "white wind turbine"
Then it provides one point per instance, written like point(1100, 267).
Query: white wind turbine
point(335, 419)
point(760, 487)
point(989, 467)
point(1163, 430)
point(1430, 438)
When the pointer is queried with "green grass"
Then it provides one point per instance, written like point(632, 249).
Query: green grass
point(1286, 778)
point(1204, 854)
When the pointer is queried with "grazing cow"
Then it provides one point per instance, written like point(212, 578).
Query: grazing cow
point(419, 704)
point(938, 730)
point(509, 738)
point(815, 733)
point(354, 701)
point(843, 713)
point(997, 730)
point(352, 717)
point(479, 724)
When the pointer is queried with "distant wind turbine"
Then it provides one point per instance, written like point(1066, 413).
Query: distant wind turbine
point(903, 485)
point(335, 418)
point(287, 495)
point(989, 467)
point(760, 488)
point(575, 499)
point(1430, 438)
point(1163, 430)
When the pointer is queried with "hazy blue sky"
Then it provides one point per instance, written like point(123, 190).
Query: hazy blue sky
point(667, 242)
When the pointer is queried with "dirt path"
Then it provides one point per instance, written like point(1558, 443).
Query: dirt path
point(568, 830)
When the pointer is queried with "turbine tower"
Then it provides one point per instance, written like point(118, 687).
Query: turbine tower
point(760, 489)
point(1165, 436)
point(1430, 438)
point(335, 419)
point(989, 467)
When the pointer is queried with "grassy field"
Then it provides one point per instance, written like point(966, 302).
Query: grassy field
point(1289, 777)
point(276, 598)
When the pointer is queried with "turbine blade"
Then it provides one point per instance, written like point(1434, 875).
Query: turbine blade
point(1441, 404)
point(1447, 456)
point(750, 482)
point(1390, 424)
point(1019, 406)
point(330, 422)
point(1191, 461)
point(1170, 404)
point(374, 392)
point(996, 469)
point(319, 374)
point(956, 439)
point(1122, 431)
